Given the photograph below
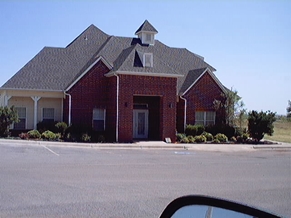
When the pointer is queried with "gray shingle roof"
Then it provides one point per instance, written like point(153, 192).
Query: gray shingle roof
point(58, 68)
point(146, 26)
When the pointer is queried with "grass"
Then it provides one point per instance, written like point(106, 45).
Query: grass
point(282, 132)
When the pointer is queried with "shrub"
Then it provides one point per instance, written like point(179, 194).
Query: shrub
point(8, 115)
point(216, 141)
point(49, 135)
point(101, 138)
point(227, 130)
point(47, 125)
point(185, 140)
point(208, 136)
point(221, 137)
point(200, 139)
point(194, 130)
point(34, 134)
point(85, 137)
point(233, 139)
point(24, 135)
point(180, 136)
point(191, 139)
point(261, 123)
point(61, 127)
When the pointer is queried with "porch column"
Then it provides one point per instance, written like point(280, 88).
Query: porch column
point(35, 99)
point(6, 99)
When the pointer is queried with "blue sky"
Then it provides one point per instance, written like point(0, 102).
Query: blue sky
point(248, 42)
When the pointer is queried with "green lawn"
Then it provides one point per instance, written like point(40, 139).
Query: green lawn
point(282, 132)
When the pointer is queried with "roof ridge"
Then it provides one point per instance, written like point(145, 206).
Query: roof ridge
point(89, 27)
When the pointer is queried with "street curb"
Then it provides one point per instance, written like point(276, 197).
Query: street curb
point(153, 145)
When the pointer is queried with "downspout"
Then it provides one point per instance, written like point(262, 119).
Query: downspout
point(185, 111)
point(117, 105)
point(70, 107)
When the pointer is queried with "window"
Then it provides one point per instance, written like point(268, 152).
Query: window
point(21, 111)
point(148, 38)
point(148, 60)
point(48, 114)
point(99, 119)
point(204, 118)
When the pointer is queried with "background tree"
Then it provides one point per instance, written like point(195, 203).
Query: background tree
point(260, 123)
point(231, 106)
point(8, 115)
point(289, 110)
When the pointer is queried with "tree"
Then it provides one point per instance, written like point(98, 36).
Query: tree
point(289, 110)
point(231, 106)
point(260, 123)
point(8, 115)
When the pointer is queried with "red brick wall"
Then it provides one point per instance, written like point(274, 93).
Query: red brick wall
point(201, 96)
point(131, 85)
point(89, 92)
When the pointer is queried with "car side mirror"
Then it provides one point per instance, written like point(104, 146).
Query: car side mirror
point(209, 207)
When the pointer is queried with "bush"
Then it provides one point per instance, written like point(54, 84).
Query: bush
point(194, 130)
point(49, 135)
point(61, 127)
point(261, 123)
point(101, 138)
point(47, 125)
point(221, 137)
point(185, 140)
point(233, 139)
point(8, 115)
point(85, 137)
point(24, 135)
point(227, 130)
point(208, 136)
point(180, 136)
point(216, 141)
point(191, 139)
point(34, 134)
point(200, 139)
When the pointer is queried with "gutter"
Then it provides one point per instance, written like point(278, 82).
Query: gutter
point(117, 106)
point(185, 111)
point(70, 107)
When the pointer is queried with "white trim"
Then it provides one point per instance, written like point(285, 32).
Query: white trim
point(151, 59)
point(117, 107)
point(142, 74)
point(213, 77)
point(70, 108)
point(33, 90)
point(185, 111)
point(89, 68)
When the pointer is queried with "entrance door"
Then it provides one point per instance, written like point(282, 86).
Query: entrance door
point(140, 123)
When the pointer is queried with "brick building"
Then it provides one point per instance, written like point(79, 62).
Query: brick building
point(129, 88)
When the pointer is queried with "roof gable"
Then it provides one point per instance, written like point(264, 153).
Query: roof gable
point(146, 27)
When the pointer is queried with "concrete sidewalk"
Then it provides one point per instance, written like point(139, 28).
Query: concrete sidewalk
point(154, 145)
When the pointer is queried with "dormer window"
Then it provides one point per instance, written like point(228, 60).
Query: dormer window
point(146, 32)
point(148, 60)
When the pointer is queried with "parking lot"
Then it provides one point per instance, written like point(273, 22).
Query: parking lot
point(56, 181)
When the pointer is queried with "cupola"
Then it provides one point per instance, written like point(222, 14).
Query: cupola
point(146, 32)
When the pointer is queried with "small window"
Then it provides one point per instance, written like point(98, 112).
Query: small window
point(148, 60)
point(148, 37)
point(21, 111)
point(99, 119)
point(204, 118)
point(48, 114)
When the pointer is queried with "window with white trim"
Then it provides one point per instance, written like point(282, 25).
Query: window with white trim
point(148, 60)
point(148, 38)
point(48, 114)
point(205, 118)
point(21, 111)
point(99, 119)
